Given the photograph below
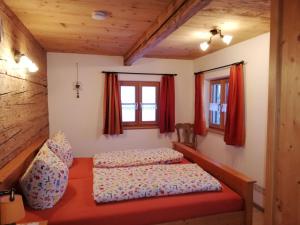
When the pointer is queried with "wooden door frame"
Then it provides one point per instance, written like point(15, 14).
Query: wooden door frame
point(281, 208)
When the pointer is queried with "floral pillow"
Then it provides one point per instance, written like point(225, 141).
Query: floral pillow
point(45, 181)
point(61, 138)
point(60, 145)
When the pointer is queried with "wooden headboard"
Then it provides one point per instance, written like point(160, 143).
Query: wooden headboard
point(12, 171)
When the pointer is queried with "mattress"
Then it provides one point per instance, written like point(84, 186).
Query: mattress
point(77, 207)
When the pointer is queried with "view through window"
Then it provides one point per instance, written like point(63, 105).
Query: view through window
point(218, 103)
point(139, 104)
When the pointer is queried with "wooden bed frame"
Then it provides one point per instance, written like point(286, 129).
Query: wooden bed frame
point(10, 174)
point(237, 181)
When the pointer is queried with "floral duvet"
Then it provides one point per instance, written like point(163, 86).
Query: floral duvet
point(137, 157)
point(118, 184)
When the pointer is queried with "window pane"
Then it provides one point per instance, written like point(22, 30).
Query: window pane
point(216, 93)
point(148, 112)
point(128, 94)
point(128, 103)
point(215, 104)
point(128, 112)
point(148, 94)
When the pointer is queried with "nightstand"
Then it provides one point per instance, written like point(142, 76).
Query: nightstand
point(34, 223)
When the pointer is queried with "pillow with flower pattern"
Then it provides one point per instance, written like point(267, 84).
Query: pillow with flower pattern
point(60, 145)
point(45, 181)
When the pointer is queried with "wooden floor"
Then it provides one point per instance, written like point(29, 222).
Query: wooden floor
point(258, 217)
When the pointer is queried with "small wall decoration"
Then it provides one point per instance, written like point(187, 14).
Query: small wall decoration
point(77, 85)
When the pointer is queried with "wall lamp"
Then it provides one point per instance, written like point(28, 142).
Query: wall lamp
point(226, 39)
point(11, 207)
point(25, 62)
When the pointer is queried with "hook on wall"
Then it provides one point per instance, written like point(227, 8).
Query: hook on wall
point(77, 85)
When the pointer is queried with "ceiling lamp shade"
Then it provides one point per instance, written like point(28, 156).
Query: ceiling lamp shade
point(204, 46)
point(227, 39)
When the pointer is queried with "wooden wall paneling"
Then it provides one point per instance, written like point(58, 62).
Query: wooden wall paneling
point(23, 96)
point(273, 112)
point(283, 152)
point(12, 171)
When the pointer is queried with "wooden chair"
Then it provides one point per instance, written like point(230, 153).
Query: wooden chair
point(186, 135)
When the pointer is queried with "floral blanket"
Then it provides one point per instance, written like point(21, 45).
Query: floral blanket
point(137, 157)
point(118, 184)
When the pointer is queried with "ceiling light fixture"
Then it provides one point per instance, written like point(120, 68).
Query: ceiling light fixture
point(100, 15)
point(226, 39)
point(204, 46)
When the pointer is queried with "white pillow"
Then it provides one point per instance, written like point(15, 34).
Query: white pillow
point(60, 145)
point(45, 181)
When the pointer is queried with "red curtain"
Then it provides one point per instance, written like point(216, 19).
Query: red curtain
point(112, 105)
point(200, 123)
point(235, 118)
point(167, 105)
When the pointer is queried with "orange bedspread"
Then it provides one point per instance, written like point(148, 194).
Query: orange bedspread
point(77, 206)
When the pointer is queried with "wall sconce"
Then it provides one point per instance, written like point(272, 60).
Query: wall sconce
point(11, 207)
point(25, 62)
point(226, 39)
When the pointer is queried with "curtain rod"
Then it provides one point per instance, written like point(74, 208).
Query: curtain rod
point(220, 67)
point(159, 74)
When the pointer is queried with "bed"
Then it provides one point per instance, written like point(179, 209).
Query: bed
point(233, 205)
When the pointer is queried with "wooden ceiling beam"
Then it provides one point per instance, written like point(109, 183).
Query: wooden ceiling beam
point(177, 13)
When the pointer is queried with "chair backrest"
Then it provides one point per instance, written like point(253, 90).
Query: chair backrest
point(186, 135)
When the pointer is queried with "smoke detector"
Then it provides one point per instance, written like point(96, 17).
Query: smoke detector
point(100, 15)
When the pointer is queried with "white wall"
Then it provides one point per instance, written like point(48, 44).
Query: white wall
point(249, 159)
point(82, 119)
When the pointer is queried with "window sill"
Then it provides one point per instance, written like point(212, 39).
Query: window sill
point(140, 127)
point(216, 131)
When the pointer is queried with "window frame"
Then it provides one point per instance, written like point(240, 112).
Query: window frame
point(222, 81)
point(138, 123)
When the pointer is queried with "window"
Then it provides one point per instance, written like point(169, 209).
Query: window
point(218, 103)
point(139, 102)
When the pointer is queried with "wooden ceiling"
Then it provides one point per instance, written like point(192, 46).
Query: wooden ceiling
point(241, 19)
point(67, 26)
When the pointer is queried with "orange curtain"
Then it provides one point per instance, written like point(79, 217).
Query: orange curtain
point(200, 123)
point(235, 118)
point(112, 105)
point(167, 105)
